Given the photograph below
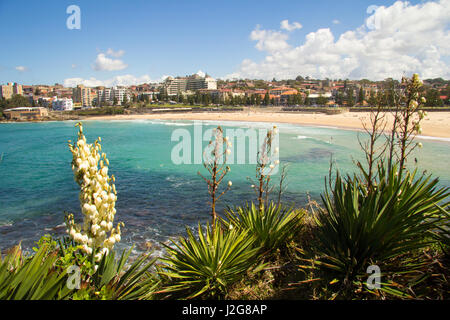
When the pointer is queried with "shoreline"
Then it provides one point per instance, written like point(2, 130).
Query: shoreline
point(435, 125)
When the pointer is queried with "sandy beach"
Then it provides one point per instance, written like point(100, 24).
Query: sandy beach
point(435, 124)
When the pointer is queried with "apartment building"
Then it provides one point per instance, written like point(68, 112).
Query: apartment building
point(64, 104)
point(172, 86)
point(107, 95)
point(7, 91)
point(103, 95)
point(17, 88)
point(82, 95)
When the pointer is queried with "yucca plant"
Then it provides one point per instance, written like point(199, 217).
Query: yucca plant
point(32, 278)
point(362, 226)
point(442, 233)
point(115, 278)
point(206, 266)
point(122, 282)
point(272, 227)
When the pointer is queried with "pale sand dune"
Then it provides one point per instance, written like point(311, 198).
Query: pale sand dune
point(436, 124)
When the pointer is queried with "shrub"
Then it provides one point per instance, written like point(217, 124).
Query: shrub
point(44, 275)
point(32, 278)
point(207, 266)
point(442, 233)
point(118, 279)
point(361, 226)
point(273, 226)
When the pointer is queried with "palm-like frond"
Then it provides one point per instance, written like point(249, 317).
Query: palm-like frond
point(272, 227)
point(360, 225)
point(133, 282)
point(442, 232)
point(32, 278)
point(207, 265)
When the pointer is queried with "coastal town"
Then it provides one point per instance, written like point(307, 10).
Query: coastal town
point(37, 102)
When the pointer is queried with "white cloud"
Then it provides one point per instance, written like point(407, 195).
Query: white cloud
point(124, 80)
point(336, 21)
point(103, 63)
point(21, 68)
point(290, 27)
point(269, 40)
point(115, 54)
point(201, 73)
point(163, 78)
point(395, 41)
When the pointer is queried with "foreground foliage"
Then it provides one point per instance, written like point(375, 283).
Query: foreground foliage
point(46, 275)
point(114, 280)
point(32, 278)
point(273, 226)
point(206, 266)
point(361, 227)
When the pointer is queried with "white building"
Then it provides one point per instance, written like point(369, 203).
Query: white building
point(327, 95)
point(107, 95)
point(173, 86)
point(63, 104)
point(119, 94)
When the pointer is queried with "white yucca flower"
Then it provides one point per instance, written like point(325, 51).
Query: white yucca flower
point(97, 199)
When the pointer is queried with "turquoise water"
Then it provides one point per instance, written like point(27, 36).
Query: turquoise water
point(157, 198)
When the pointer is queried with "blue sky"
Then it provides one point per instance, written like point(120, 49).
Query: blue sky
point(157, 37)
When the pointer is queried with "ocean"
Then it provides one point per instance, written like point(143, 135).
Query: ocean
point(157, 197)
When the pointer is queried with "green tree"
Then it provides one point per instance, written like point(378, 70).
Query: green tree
point(307, 100)
point(290, 100)
point(191, 100)
point(372, 99)
point(446, 93)
point(350, 98)
point(433, 98)
point(3, 106)
point(321, 100)
point(339, 98)
point(18, 101)
point(361, 96)
point(258, 100)
point(266, 99)
point(298, 99)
